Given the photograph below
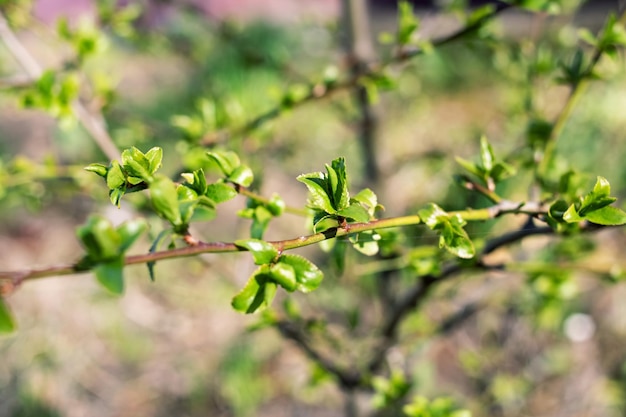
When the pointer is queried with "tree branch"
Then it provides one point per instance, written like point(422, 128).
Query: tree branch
point(94, 124)
point(505, 207)
point(318, 91)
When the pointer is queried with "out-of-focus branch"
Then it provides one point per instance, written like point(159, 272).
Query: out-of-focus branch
point(360, 52)
point(94, 124)
point(576, 90)
point(319, 91)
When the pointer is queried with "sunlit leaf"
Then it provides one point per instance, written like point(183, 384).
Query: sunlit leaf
point(308, 276)
point(227, 161)
point(284, 275)
point(165, 199)
point(263, 252)
point(220, 192)
point(242, 175)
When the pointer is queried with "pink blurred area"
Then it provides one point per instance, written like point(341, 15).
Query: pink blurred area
point(50, 10)
point(273, 10)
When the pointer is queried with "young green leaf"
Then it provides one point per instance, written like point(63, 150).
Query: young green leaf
point(319, 198)
point(338, 183)
point(599, 197)
point(7, 323)
point(226, 161)
point(366, 242)
point(242, 175)
point(284, 275)
point(165, 199)
point(220, 192)
point(455, 239)
point(129, 232)
point(115, 176)
point(111, 275)
point(276, 205)
point(98, 169)
point(355, 212)
point(258, 293)
point(308, 276)
point(486, 154)
point(432, 215)
point(368, 199)
point(452, 236)
point(470, 167)
point(263, 252)
point(154, 157)
point(407, 22)
point(607, 216)
point(261, 218)
point(99, 238)
point(136, 164)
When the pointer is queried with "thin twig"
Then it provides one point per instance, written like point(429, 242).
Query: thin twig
point(318, 91)
point(576, 91)
point(505, 207)
point(418, 293)
point(94, 124)
point(348, 379)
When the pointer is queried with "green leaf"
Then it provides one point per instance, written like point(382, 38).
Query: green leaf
point(501, 171)
point(226, 161)
point(407, 22)
point(597, 200)
point(355, 212)
point(115, 176)
point(136, 164)
point(7, 322)
point(470, 167)
point(263, 252)
point(328, 192)
point(607, 216)
point(338, 181)
point(258, 293)
point(220, 192)
point(571, 215)
point(98, 169)
point(486, 154)
point(432, 214)
point(324, 222)
point(260, 220)
point(308, 276)
point(276, 205)
point(241, 175)
point(116, 195)
point(155, 157)
point(111, 275)
point(599, 197)
point(99, 238)
point(165, 199)
point(452, 235)
point(129, 232)
point(319, 198)
point(455, 239)
point(368, 199)
point(558, 210)
point(366, 242)
point(284, 275)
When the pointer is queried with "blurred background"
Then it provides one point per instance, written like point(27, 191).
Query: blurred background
point(542, 342)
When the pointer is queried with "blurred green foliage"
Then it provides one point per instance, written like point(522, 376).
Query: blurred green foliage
point(201, 77)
